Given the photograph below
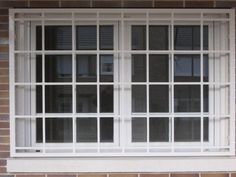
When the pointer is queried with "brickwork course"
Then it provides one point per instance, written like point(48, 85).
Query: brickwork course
point(4, 70)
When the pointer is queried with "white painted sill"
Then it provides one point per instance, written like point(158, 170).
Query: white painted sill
point(127, 164)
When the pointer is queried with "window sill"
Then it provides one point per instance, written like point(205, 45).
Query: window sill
point(122, 164)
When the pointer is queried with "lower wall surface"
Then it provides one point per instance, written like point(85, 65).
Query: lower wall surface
point(4, 69)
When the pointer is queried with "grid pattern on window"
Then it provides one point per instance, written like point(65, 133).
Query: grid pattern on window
point(122, 82)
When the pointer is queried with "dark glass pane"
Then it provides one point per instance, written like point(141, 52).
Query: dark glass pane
point(138, 37)
point(38, 38)
point(187, 37)
point(205, 98)
point(58, 37)
point(139, 98)
point(187, 68)
point(159, 129)
point(158, 37)
point(106, 37)
point(205, 38)
point(39, 102)
point(86, 97)
point(86, 68)
point(86, 37)
point(205, 68)
point(106, 68)
point(206, 129)
point(39, 130)
point(86, 130)
point(58, 130)
point(158, 68)
point(106, 98)
point(58, 68)
point(187, 98)
point(106, 129)
point(187, 129)
point(38, 68)
point(159, 98)
point(58, 98)
point(139, 129)
point(138, 68)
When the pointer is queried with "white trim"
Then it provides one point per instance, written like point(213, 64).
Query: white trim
point(141, 164)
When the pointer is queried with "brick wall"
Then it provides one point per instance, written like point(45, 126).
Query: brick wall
point(4, 79)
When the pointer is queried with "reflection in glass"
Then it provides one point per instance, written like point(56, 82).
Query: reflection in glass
point(139, 102)
point(159, 98)
point(187, 37)
point(106, 129)
point(86, 37)
point(138, 37)
point(205, 68)
point(187, 98)
point(206, 129)
point(106, 37)
point(58, 130)
point(205, 98)
point(106, 68)
point(86, 68)
point(187, 68)
point(139, 129)
point(58, 68)
point(187, 129)
point(86, 130)
point(159, 129)
point(158, 68)
point(39, 130)
point(106, 98)
point(138, 68)
point(86, 96)
point(58, 98)
point(158, 37)
point(205, 38)
point(58, 37)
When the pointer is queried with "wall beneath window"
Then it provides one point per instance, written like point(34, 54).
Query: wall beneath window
point(4, 70)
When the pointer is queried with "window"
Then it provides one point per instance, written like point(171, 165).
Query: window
point(122, 82)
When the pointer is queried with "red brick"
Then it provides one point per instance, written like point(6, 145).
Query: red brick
point(10, 3)
point(92, 175)
point(4, 34)
point(184, 175)
point(5, 140)
point(138, 4)
point(3, 64)
point(104, 4)
point(4, 86)
point(123, 175)
point(197, 4)
point(4, 72)
point(4, 124)
point(4, 132)
point(4, 109)
point(4, 18)
point(3, 47)
point(30, 175)
point(154, 175)
point(3, 170)
point(4, 102)
point(3, 11)
point(44, 4)
point(75, 4)
point(214, 175)
point(3, 162)
point(168, 4)
point(5, 148)
point(4, 94)
point(225, 4)
point(4, 154)
point(4, 79)
point(61, 175)
point(4, 117)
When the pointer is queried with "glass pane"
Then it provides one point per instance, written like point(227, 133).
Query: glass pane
point(187, 68)
point(86, 37)
point(187, 37)
point(86, 68)
point(38, 38)
point(106, 68)
point(58, 98)
point(58, 37)
point(106, 98)
point(159, 98)
point(205, 38)
point(86, 130)
point(206, 129)
point(205, 68)
point(205, 98)
point(139, 129)
point(138, 68)
point(106, 129)
point(86, 98)
point(139, 98)
point(106, 37)
point(39, 68)
point(159, 129)
point(187, 98)
point(39, 99)
point(39, 130)
point(138, 37)
point(58, 68)
point(158, 68)
point(158, 37)
point(58, 130)
point(187, 129)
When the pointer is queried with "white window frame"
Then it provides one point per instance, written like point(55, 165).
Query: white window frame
point(123, 16)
